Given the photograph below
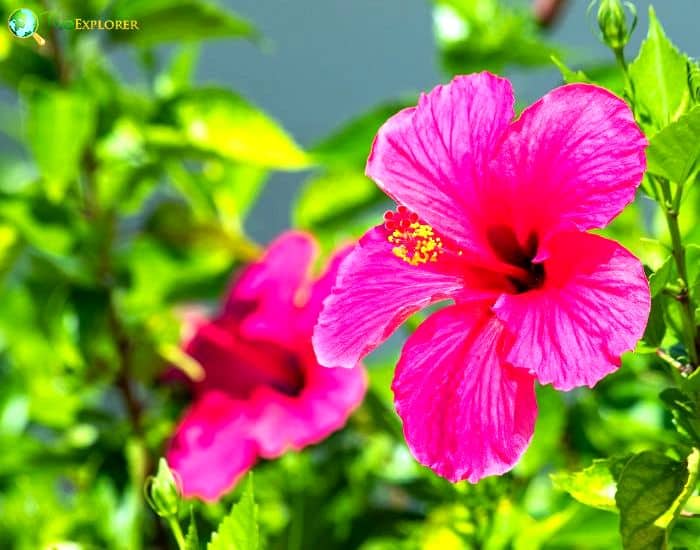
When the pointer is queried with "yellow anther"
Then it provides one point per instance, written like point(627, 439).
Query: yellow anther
point(417, 245)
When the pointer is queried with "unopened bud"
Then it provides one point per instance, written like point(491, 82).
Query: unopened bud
point(612, 22)
point(162, 492)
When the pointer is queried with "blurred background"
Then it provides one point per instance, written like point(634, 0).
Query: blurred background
point(140, 171)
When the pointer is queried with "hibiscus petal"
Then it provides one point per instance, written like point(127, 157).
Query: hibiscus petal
point(574, 158)
point(237, 365)
point(374, 293)
point(273, 285)
point(432, 158)
point(328, 398)
point(594, 306)
point(212, 446)
point(466, 414)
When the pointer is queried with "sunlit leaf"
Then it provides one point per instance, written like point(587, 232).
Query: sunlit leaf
point(659, 75)
point(595, 485)
point(59, 124)
point(661, 277)
point(222, 122)
point(192, 537)
point(334, 196)
point(674, 153)
point(239, 529)
point(162, 21)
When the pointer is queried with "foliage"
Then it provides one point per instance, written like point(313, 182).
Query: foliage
point(122, 202)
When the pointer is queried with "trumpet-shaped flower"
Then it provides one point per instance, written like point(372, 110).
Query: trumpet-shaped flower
point(492, 215)
point(263, 391)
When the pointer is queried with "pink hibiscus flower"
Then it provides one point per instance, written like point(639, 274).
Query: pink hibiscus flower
point(492, 216)
point(263, 391)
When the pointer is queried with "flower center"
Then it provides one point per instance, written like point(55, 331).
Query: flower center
point(414, 242)
point(505, 244)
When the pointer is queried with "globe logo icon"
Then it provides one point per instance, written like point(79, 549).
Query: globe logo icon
point(24, 23)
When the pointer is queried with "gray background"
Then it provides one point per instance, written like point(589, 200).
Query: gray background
point(329, 60)
point(332, 59)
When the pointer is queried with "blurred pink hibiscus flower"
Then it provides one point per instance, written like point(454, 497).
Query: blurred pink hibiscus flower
point(493, 213)
point(263, 391)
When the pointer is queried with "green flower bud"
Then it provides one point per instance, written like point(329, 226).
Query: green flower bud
point(162, 492)
point(612, 22)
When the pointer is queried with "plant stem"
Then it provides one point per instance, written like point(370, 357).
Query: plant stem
point(59, 59)
point(670, 205)
point(177, 532)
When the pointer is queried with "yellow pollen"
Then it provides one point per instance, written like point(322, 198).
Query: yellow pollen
point(417, 245)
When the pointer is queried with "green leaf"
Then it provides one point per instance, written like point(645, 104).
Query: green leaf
point(692, 260)
point(685, 409)
point(221, 122)
point(651, 491)
point(570, 76)
point(162, 21)
point(659, 75)
point(674, 153)
point(239, 530)
point(177, 76)
point(349, 146)
point(487, 34)
point(334, 196)
point(660, 277)
point(59, 123)
point(593, 486)
point(192, 537)
point(656, 327)
point(545, 443)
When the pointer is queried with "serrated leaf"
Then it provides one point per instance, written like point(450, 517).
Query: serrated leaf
point(674, 153)
point(161, 21)
point(222, 122)
point(659, 75)
point(192, 537)
point(239, 530)
point(650, 492)
point(594, 486)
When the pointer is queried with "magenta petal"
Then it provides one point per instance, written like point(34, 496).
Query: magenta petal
point(274, 285)
point(374, 293)
point(212, 448)
point(593, 307)
point(284, 422)
point(433, 158)
point(573, 159)
point(466, 414)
